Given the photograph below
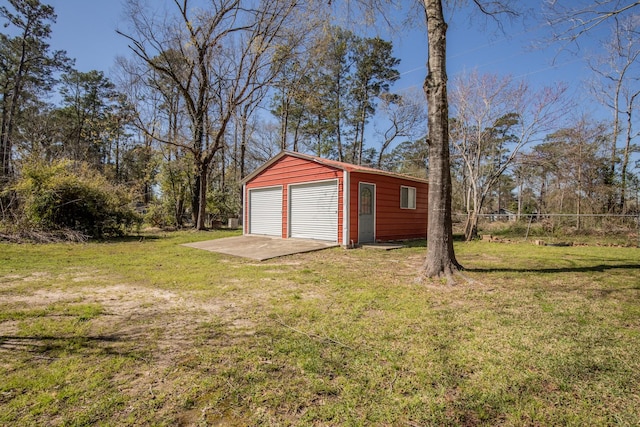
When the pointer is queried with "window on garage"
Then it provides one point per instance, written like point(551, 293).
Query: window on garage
point(407, 197)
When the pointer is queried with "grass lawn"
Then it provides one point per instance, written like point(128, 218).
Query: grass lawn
point(148, 332)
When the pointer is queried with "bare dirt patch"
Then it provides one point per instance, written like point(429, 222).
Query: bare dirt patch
point(156, 327)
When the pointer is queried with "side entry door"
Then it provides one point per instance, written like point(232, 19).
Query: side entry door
point(366, 213)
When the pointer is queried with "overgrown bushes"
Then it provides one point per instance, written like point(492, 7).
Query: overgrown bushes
point(71, 196)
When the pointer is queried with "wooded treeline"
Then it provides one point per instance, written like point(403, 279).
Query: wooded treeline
point(207, 94)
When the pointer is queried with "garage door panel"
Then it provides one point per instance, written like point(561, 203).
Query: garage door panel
point(314, 211)
point(265, 211)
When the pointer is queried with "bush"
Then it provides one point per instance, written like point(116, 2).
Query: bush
point(68, 195)
point(157, 215)
point(223, 204)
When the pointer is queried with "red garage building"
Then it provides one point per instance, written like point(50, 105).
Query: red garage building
point(302, 196)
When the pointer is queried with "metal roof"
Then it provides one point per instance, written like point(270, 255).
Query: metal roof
point(331, 163)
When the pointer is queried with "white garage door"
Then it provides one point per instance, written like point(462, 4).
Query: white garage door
point(314, 211)
point(265, 211)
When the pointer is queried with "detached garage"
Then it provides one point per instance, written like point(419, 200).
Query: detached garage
point(296, 195)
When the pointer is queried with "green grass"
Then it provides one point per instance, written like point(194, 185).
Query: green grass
point(147, 332)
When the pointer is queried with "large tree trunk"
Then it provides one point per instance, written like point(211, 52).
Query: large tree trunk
point(5, 145)
point(626, 155)
point(8, 118)
point(441, 260)
point(195, 196)
point(203, 172)
point(284, 119)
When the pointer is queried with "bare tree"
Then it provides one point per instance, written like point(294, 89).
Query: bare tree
point(494, 118)
point(564, 171)
point(161, 114)
point(578, 163)
point(406, 116)
point(572, 20)
point(617, 86)
point(265, 144)
point(243, 128)
point(217, 58)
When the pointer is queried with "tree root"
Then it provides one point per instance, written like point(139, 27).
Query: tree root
point(452, 276)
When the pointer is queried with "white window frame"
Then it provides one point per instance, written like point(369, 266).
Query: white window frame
point(411, 201)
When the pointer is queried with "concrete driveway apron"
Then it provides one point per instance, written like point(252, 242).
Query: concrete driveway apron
point(261, 247)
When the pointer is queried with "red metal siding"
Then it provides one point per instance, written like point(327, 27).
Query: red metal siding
point(292, 170)
point(392, 223)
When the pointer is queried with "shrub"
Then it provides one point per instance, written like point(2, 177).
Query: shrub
point(70, 195)
point(223, 204)
point(158, 216)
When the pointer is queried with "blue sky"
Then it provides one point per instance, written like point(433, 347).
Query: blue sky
point(86, 29)
point(489, 50)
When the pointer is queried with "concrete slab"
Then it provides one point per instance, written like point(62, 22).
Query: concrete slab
point(260, 247)
point(382, 246)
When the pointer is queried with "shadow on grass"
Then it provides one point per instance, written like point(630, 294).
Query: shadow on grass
point(52, 346)
point(600, 268)
point(128, 238)
point(421, 243)
point(209, 233)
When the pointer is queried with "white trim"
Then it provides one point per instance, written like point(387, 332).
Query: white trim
point(245, 210)
point(375, 207)
point(346, 192)
point(415, 197)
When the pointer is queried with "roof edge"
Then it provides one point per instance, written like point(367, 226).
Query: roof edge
point(329, 163)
